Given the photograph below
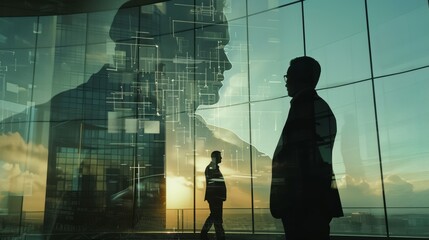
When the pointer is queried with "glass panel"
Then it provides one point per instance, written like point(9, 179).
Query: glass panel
point(17, 58)
point(196, 74)
point(108, 119)
point(265, 223)
point(267, 116)
point(235, 9)
point(403, 135)
point(399, 35)
point(256, 6)
point(235, 162)
point(231, 112)
point(228, 129)
point(360, 222)
point(275, 38)
point(19, 154)
point(355, 156)
point(338, 40)
point(106, 149)
point(69, 56)
point(100, 48)
point(45, 62)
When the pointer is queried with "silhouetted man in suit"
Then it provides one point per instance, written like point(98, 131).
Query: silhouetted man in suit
point(303, 189)
point(215, 195)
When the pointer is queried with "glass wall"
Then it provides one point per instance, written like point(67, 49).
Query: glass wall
point(108, 117)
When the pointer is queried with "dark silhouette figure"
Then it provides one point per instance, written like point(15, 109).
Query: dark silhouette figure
point(303, 190)
point(215, 196)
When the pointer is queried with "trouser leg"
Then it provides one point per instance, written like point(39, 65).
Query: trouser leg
point(206, 227)
point(216, 211)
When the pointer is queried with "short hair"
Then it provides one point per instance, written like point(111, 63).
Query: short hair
point(307, 69)
point(215, 154)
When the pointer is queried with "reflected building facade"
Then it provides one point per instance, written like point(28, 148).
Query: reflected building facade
point(108, 115)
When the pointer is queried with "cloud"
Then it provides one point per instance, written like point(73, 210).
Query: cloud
point(23, 169)
point(396, 185)
point(358, 192)
point(399, 192)
point(14, 150)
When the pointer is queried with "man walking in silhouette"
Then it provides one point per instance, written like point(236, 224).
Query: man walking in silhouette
point(303, 190)
point(215, 196)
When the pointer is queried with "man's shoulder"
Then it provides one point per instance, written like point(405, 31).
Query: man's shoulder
point(210, 168)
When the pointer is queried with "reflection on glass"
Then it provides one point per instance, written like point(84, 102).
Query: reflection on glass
point(107, 118)
point(355, 158)
point(336, 35)
point(119, 139)
point(279, 30)
point(403, 134)
point(398, 35)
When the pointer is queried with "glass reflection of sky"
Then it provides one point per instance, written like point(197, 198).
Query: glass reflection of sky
point(399, 36)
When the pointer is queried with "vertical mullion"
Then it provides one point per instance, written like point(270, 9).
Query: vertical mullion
point(249, 100)
point(193, 119)
point(376, 120)
point(303, 28)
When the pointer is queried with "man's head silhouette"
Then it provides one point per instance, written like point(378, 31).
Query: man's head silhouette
point(216, 156)
point(182, 43)
point(303, 73)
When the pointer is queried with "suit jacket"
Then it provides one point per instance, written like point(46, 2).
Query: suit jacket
point(215, 183)
point(302, 174)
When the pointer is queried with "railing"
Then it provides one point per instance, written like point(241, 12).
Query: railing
point(412, 222)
